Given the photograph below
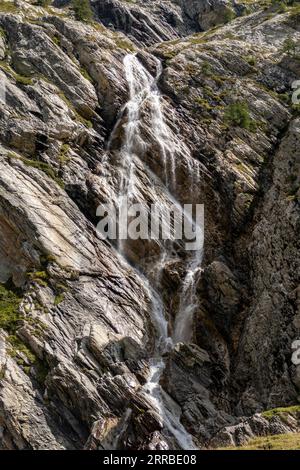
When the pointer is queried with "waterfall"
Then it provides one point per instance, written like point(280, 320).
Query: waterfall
point(188, 302)
point(144, 94)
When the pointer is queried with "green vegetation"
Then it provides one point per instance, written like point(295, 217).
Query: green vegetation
point(21, 79)
point(251, 60)
point(58, 299)
point(278, 442)
point(82, 10)
point(296, 110)
point(39, 165)
point(278, 411)
point(18, 350)
point(56, 40)
point(45, 168)
point(203, 103)
point(16, 347)
point(290, 46)
point(9, 309)
point(8, 7)
point(237, 114)
point(86, 75)
point(43, 3)
point(123, 44)
point(206, 68)
point(63, 156)
point(229, 15)
point(10, 319)
point(40, 277)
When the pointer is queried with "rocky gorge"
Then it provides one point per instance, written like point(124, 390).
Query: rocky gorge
point(145, 346)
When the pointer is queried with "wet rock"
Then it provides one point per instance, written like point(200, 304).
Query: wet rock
point(190, 375)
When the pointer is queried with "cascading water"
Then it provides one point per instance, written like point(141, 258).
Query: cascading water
point(188, 302)
point(144, 92)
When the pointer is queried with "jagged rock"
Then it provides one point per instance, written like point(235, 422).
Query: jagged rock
point(224, 293)
point(274, 276)
point(189, 376)
point(154, 21)
point(255, 426)
point(207, 13)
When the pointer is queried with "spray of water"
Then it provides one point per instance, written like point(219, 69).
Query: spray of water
point(144, 91)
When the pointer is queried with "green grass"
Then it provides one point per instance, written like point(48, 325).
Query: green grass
point(21, 79)
point(42, 166)
point(10, 316)
point(82, 10)
point(10, 321)
point(86, 75)
point(278, 442)
point(16, 347)
point(40, 277)
point(59, 299)
point(251, 60)
point(8, 7)
point(64, 154)
point(277, 411)
point(45, 168)
point(123, 44)
point(237, 114)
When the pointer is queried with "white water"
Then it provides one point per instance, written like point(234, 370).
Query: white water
point(144, 94)
point(183, 328)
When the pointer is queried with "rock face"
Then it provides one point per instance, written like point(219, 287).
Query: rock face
point(153, 21)
point(82, 321)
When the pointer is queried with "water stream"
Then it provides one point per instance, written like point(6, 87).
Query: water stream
point(144, 92)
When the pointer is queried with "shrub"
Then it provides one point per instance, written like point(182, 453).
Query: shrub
point(43, 3)
point(251, 60)
point(289, 46)
point(206, 68)
point(229, 15)
point(238, 114)
point(82, 10)
point(9, 309)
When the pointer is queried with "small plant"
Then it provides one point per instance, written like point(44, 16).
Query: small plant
point(251, 60)
point(59, 299)
point(43, 3)
point(229, 15)
point(9, 309)
point(64, 154)
point(237, 114)
point(40, 277)
point(82, 10)
point(206, 68)
point(290, 46)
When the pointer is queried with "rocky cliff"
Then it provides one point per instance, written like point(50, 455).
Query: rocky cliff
point(81, 366)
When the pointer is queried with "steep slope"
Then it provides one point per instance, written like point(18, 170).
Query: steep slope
point(80, 318)
point(149, 22)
